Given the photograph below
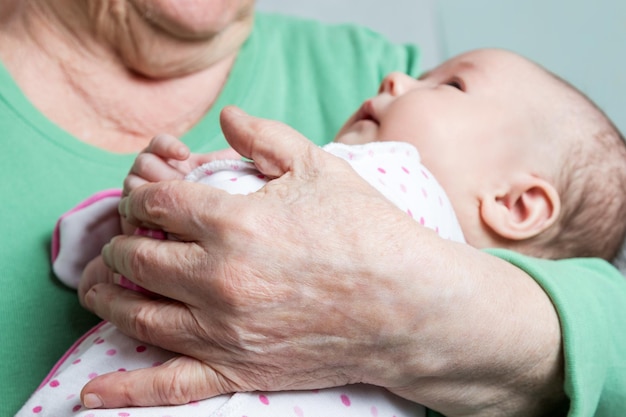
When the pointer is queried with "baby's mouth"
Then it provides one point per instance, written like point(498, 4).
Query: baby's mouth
point(366, 112)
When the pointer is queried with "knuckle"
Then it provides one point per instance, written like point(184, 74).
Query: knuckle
point(137, 261)
point(243, 292)
point(144, 323)
point(228, 291)
point(158, 201)
point(157, 142)
point(142, 163)
point(127, 395)
point(174, 388)
point(246, 222)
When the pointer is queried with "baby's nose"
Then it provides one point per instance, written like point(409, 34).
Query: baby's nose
point(396, 83)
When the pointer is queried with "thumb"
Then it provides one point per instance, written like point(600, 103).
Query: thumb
point(180, 380)
point(274, 147)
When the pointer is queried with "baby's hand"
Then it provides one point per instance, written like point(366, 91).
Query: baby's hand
point(165, 158)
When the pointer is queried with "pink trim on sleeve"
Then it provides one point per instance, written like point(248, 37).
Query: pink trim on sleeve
point(69, 352)
point(55, 245)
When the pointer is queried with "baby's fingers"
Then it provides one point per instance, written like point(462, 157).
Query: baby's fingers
point(198, 159)
point(167, 147)
point(163, 159)
point(149, 167)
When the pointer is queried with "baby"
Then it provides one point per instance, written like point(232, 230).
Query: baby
point(527, 163)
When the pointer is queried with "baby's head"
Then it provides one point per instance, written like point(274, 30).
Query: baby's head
point(529, 163)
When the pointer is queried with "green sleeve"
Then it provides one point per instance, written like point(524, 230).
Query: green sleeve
point(590, 298)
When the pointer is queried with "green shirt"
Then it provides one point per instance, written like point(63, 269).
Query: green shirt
point(311, 76)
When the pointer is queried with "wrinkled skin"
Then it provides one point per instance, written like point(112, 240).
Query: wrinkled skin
point(118, 71)
point(258, 300)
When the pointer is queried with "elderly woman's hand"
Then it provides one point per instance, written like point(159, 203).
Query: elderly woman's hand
point(316, 280)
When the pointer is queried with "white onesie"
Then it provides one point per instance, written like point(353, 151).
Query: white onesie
point(393, 168)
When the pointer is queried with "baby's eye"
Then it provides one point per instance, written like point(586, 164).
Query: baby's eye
point(456, 83)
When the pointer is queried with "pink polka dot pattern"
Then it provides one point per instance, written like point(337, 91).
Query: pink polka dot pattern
point(394, 169)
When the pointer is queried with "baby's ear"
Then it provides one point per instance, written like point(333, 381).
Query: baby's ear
point(527, 208)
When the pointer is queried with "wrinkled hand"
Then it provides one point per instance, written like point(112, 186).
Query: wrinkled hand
point(263, 300)
point(313, 281)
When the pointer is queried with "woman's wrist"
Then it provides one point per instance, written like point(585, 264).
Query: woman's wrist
point(450, 299)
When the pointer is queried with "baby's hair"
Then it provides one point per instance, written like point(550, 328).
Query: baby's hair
point(591, 183)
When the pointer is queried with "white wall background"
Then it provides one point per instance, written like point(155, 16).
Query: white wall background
point(583, 41)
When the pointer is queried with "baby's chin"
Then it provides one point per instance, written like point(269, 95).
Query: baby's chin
point(358, 135)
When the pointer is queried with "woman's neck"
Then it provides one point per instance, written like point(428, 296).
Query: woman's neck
point(93, 87)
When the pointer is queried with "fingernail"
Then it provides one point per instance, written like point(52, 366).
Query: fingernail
point(236, 111)
point(105, 253)
point(92, 401)
point(121, 208)
point(88, 298)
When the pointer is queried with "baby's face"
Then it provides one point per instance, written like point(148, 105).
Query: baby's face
point(469, 118)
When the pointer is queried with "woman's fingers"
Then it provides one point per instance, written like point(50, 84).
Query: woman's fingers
point(159, 266)
point(157, 321)
point(167, 147)
point(178, 381)
point(274, 147)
